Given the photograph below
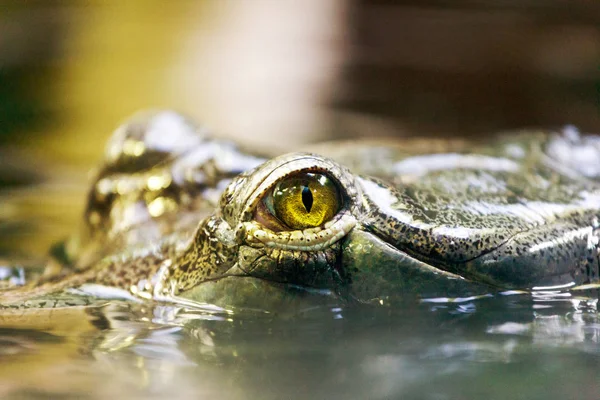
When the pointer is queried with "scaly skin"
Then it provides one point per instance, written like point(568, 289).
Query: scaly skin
point(172, 215)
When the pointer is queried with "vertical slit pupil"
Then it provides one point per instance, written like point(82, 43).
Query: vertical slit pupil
point(307, 198)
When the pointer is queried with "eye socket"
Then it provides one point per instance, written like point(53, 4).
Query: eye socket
point(304, 200)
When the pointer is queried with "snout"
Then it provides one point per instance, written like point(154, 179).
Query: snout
point(380, 273)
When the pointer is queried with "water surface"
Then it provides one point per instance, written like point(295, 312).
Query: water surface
point(518, 347)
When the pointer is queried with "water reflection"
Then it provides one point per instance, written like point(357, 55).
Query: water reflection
point(451, 350)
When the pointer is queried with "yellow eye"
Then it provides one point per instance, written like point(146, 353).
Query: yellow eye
point(305, 200)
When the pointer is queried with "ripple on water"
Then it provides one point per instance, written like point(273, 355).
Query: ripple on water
point(433, 349)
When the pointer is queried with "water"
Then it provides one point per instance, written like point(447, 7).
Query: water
point(517, 347)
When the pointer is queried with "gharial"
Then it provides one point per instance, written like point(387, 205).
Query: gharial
point(176, 215)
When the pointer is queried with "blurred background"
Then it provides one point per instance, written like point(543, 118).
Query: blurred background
point(273, 74)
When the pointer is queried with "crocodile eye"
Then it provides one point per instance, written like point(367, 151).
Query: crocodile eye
point(304, 200)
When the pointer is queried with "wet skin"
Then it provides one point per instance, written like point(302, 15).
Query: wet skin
point(175, 215)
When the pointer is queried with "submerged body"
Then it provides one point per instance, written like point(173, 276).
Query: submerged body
point(173, 214)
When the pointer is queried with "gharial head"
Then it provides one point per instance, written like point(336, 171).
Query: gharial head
point(258, 228)
point(301, 221)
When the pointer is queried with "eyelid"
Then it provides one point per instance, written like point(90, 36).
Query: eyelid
point(310, 239)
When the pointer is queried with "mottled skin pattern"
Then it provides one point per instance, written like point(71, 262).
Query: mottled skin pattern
point(172, 214)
